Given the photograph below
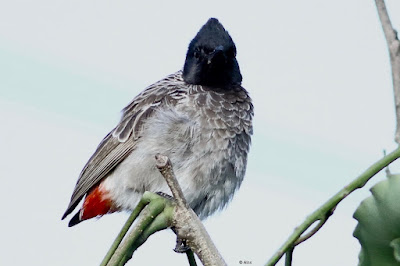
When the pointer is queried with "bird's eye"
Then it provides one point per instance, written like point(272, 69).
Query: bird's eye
point(207, 51)
point(197, 52)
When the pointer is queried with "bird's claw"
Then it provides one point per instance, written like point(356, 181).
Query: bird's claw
point(165, 195)
point(181, 246)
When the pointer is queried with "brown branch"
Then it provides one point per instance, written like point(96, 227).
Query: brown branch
point(394, 51)
point(186, 223)
point(164, 166)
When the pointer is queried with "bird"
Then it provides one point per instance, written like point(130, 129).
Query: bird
point(200, 117)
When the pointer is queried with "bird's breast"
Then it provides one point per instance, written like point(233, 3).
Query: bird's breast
point(206, 135)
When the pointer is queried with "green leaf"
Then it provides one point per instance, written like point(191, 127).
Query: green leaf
point(395, 244)
point(378, 229)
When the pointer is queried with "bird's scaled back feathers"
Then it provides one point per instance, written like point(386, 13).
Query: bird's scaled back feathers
point(204, 129)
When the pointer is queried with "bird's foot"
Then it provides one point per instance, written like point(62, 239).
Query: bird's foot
point(165, 195)
point(181, 246)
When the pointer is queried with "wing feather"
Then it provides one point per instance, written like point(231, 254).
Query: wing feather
point(121, 141)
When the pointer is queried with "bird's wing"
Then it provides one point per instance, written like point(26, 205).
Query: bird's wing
point(121, 141)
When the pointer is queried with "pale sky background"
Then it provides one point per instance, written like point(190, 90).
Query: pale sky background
point(319, 75)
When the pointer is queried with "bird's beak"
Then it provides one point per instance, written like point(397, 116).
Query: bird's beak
point(216, 53)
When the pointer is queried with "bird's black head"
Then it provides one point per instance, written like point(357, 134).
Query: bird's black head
point(211, 58)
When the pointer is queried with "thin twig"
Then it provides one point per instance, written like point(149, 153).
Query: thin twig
point(155, 215)
point(289, 256)
point(314, 230)
point(186, 223)
point(164, 166)
point(191, 258)
point(326, 209)
point(387, 169)
point(394, 51)
point(132, 241)
point(123, 232)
